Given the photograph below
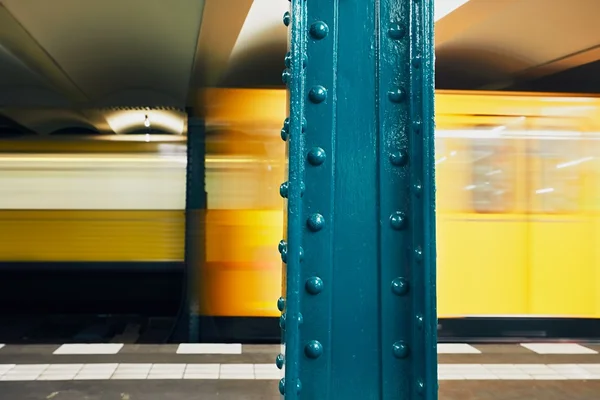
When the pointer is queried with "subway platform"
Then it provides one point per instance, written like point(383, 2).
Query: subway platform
point(544, 371)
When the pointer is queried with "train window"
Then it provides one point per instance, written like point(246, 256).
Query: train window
point(555, 175)
point(244, 169)
point(591, 154)
point(493, 175)
point(452, 164)
point(253, 184)
point(230, 187)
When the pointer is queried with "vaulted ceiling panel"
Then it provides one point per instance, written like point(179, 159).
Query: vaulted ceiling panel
point(514, 40)
point(117, 50)
point(69, 63)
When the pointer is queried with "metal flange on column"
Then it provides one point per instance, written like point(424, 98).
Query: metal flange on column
point(359, 307)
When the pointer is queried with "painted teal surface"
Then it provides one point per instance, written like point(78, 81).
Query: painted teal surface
point(187, 328)
point(359, 316)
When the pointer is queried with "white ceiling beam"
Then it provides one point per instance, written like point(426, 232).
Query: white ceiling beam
point(219, 31)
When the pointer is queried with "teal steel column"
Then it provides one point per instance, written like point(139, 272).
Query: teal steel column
point(187, 325)
point(195, 221)
point(359, 308)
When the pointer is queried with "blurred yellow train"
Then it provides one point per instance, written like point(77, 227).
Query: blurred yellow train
point(518, 203)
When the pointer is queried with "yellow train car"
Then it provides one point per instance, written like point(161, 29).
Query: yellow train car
point(518, 179)
point(518, 206)
point(518, 189)
point(76, 208)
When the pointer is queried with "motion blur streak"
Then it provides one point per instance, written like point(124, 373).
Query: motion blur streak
point(518, 202)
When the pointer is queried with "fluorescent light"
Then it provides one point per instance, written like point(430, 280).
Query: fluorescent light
point(545, 190)
point(125, 121)
point(575, 162)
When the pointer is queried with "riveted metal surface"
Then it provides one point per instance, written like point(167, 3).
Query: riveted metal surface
point(359, 252)
point(293, 189)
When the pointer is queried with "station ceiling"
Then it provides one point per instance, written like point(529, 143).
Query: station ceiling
point(97, 65)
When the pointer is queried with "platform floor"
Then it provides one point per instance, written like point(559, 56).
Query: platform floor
point(247, 372)
point(254, 390)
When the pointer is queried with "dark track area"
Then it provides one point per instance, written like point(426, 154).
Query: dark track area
point(89, 302)
point(82, 328)
point(108, 302)
point(91, 288)
point(140, 303)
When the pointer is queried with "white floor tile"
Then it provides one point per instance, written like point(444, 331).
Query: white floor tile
point(546, 377)
point(450, 377)
point(175, 368)
point(590, 368)
point(165, 375)
point(514, 376)
point(266, 367)
point(236, 377)
point(129, 376)
point(480, 376)
point(92, 348)
point(267, 371)
point(60, 372)
point(199, 376)
point(93, 375)
point(20, 377)
point(63, 368)
point(209, 348)
point(108, 371)
point(567, 368)
point(132, 371)
point(96, 371)
point(89, 373)
point(558, 348)
point(202, 371)
point(459, 366)
point(263, 377)
point(25, 372)
point(580, 376)
point(167, 371)
point(237, 371)
point(100, 367)
point(539, 369)
point(28, 367)
point(203, 368)
point(594, 377)
point(4, 368)
point(456, 348)
point(130, 366)
point(499, 369)
point(59, 376)
point(237, 368)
